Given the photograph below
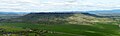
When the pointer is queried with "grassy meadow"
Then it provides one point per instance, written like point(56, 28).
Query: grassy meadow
point(31, 29)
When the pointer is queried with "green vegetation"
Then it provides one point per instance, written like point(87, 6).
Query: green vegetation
point(97, 29)
point(59, 25)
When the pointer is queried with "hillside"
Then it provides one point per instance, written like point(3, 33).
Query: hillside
point(59, 24)
point(73, 18)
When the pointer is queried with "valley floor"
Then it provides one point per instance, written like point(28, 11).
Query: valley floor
point(36, 29)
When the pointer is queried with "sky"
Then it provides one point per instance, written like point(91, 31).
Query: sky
point(57, 5)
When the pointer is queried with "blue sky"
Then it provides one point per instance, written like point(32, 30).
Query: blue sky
point(57, 5)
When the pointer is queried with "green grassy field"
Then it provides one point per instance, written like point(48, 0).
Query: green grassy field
point(96, 29)
point(59, 25)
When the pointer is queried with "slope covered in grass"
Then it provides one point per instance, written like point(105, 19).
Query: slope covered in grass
point(72, 18)
point(60, 24)
point(98, 29)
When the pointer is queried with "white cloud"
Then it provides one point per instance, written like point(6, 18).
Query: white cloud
point(57, 5)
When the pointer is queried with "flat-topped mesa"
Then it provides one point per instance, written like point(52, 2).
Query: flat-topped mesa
point(56, 13)
point(47, 16)
point(60, 17)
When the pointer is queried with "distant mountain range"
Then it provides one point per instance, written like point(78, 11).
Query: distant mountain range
point(97, 13)
point(106, 12)
point(12, 13)
point(9, 15)
point(115, 10)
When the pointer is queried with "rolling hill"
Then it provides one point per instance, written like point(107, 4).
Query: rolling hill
point(60, 24)
point(73, 18)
